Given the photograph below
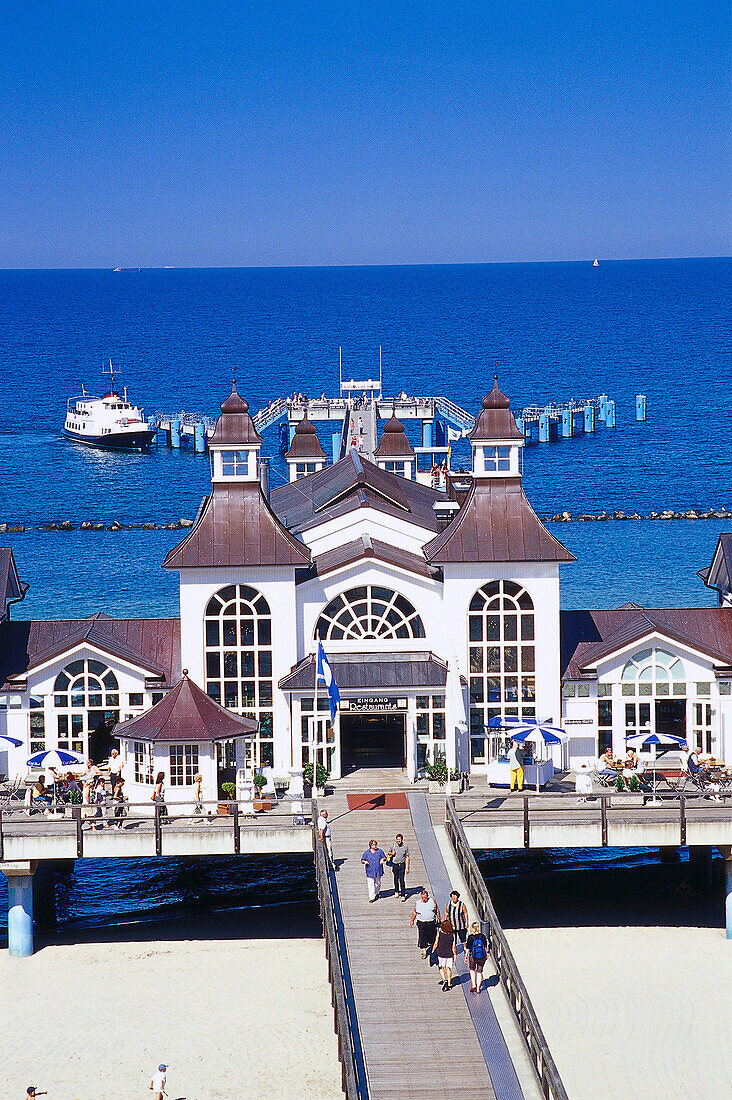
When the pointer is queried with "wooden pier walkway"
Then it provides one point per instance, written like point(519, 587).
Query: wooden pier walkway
point(418, 1042)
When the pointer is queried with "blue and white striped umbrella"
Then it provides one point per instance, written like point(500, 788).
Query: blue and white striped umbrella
point(638, 740)
point(11, 742)
point(54, 758)
point(535, 731)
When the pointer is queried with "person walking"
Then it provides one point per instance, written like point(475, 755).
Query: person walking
point(119, 802)
point(399, 855)
point(115, 768)
point(476, 946)
point(516, 765)
point(198, 793)
point(325, 835)
point(158, 795)
point(426, 913)
point(158, 1082)
point(373, 860)
point(444, 948)
point(457, 913)
point(99, 798)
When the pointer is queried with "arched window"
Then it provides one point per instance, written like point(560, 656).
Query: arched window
point(238, 650)
point(86, 699)
point(369, 611)
point(502, 658)
point(650, 680)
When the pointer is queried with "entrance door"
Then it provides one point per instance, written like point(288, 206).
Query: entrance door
point(373, 741)
point(671, 717)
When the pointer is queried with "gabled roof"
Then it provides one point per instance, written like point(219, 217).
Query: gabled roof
point(11, 586)
point(394, 442)
point(363, 548)
point(718, 574)
point(305, 443)
point(186, 713)
point(589, 636)
point(495, 419)
point(496, 523)
point(152, 645)
point(236, 526)
point(353, 483)
point(235, 425)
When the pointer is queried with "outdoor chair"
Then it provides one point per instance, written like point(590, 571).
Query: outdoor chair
point(603, 779)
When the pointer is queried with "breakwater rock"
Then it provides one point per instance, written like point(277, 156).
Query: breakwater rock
point(667, 514)
point(87, 525)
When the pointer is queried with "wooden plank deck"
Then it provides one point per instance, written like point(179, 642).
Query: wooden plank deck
point(419, 1043)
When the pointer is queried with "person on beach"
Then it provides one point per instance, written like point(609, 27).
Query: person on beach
point(325, 836)
point(33, 1091)
point(456, 912)
point(399, 856)
point(373, 860)
point(516, 765)
point(158, 1082)
point(198, 793)
point(444, 948)
point(158, 795)
point(426, 913)
point(476, 946)
point(115, 768)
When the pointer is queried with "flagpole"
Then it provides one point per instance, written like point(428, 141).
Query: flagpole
point(314, 751)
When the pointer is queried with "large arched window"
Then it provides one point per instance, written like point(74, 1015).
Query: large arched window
point(650, 680)
point(502, 658)
point(368, 612)
point(86, 700)
point(238, 647)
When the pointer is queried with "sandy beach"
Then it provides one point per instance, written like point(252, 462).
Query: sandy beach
point(637, 1013)
point(232, 1011)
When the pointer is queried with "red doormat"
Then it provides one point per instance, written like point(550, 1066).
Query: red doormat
point(389, 800)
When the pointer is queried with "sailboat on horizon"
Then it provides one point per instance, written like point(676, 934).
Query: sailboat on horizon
point(595, 263)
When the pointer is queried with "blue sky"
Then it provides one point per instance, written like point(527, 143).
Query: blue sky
point(228, 133)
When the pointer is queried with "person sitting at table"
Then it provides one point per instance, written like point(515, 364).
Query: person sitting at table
point(630, 765)
point(696, 767)
point(606, 764)
point(40, 796)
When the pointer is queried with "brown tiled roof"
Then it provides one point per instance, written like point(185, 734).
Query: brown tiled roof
point(236, 527)
point(235, 425)
point(718, 574)
point(588, 636)
point(496, 523)
point(152, 645)
point(186, 714)
point(360, 671)
point(366, 547)
point(352, 483)
point(305, 443)
point(495, 419)
point(11, 587)
point(394, 442)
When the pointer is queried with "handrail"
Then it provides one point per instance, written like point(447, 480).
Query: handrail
point(518, 998)
point(353, 1072)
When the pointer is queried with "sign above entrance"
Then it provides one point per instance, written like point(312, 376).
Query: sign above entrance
point(374, 702)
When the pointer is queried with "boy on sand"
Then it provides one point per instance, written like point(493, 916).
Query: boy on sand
point(157, 1083)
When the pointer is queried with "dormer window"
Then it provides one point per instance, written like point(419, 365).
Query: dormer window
point(235, 463)
point(497, 459)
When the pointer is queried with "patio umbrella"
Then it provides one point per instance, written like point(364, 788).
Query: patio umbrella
point(533, 731)
point(9, 742)
point(54, 758)
point(641, 740)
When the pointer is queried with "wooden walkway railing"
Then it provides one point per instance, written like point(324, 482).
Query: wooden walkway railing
point(515, 990)
point(353, 1074)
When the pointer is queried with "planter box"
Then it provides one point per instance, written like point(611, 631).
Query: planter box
point(435, 787)
point(223, 808)
point(261, 804)
point(626, 800)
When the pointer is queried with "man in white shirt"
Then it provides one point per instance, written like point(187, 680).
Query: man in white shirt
point(115, 768)
point(324, 831)
point(158, 1082)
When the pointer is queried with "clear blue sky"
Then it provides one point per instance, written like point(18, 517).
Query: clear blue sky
point(228, 132)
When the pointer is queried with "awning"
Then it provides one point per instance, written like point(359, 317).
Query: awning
point(372, 671)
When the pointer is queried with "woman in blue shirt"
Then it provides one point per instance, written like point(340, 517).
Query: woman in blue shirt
point(373, 860)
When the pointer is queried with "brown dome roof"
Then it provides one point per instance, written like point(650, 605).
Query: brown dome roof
point(394, 442)
point(305, 443)
point(495, 419)
point(235, 426)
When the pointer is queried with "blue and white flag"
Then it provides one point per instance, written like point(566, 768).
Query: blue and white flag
point(325, 676)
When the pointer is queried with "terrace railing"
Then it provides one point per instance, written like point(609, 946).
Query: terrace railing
point(546, 1071)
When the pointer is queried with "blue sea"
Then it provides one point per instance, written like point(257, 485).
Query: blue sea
point(556, 331)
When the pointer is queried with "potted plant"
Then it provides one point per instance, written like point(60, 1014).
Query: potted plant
point(437, 776)
point(260, 804)
point(228, 789)
point(321, 778)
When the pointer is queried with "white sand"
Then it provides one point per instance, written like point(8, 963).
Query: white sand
point(233, 1017)
point(659, 1028)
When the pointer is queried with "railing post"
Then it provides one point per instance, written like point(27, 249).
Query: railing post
point(527, 837)
point(158, 831)
point(237, 829)
point(603, 819)
point(76, 814)
point(682, 820)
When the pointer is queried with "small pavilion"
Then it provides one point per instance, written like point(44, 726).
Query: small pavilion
point(178, 736)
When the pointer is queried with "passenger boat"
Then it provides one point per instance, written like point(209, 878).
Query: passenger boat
point(109, 422)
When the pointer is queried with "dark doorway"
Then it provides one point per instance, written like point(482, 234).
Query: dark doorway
point(671, 717)
point(101, 742)
point(372, 741)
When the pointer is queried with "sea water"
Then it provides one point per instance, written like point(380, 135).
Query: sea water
point(551, 331)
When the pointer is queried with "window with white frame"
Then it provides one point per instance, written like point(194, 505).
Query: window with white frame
point(502, 659)
point(143, 758)
point(235, 463)
point(430, 730)
point(653, 683)
point(183, 764)
point(497, 459)
point(393, 467)
point(238, 652)
point(86, 700)
point(303, 469)
point(37, 724)
point(369, 611)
